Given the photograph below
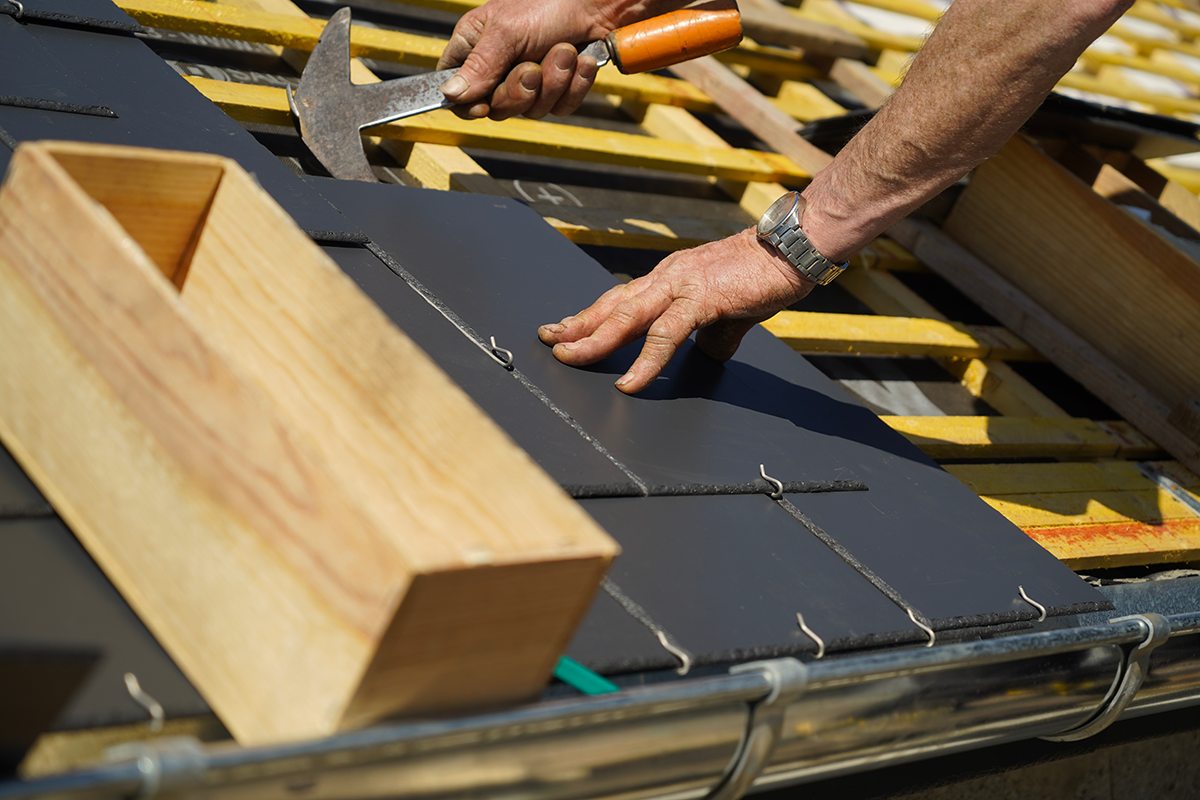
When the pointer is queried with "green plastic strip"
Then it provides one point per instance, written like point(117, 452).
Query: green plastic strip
point(576, 675)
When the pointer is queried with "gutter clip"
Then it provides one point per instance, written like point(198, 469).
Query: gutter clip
point(1157, 629)
point(788, 679)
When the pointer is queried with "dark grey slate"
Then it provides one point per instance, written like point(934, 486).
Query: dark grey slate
point(155, 108)
point(55, 597)
point(725, 577)
point(504, 271)
point(557, 447)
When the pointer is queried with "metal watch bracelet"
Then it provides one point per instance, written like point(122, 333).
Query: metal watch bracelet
point(781, 227)
point(795, 247)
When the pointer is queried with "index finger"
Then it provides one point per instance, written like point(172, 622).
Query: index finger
point(624, 322)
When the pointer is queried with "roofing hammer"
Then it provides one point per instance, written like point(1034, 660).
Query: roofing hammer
point(331, 111)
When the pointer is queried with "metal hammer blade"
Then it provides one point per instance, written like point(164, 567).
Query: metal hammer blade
point(331, 110)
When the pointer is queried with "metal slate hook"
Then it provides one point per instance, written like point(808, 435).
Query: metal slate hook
point(912, 614)
point(18, 9)
point(144, 700)
point(778, 484)
point(503, 357)
point(1041, 608)
point(812, 635)
point(685, 658)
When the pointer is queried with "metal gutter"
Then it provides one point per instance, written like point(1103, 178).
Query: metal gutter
point(769, 724)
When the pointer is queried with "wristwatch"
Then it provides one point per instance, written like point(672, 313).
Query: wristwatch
point(781, 227)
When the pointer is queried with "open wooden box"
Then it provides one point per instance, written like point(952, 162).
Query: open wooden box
point(317, 524)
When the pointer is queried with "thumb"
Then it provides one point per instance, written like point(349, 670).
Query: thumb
point(721, 339)
point(484, 66)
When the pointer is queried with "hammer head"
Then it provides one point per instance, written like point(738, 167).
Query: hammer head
point(327, 106)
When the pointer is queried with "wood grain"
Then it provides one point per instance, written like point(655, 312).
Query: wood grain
point(267, 469)
point(1080, 359)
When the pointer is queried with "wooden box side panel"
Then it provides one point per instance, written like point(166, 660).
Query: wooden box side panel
point(449, 487)
point(216, 522)
point(466, 640)
point(1104, 273)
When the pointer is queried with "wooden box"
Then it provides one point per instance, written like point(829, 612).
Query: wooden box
point(317, 524)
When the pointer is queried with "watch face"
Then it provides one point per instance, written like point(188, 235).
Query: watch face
point(777, 213)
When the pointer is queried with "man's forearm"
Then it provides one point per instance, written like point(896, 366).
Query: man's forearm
point(985, 69)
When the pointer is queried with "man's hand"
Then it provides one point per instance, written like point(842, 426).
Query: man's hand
point(722, 289)
point(517, 58)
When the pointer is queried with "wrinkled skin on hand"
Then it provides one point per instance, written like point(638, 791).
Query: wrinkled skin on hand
point(721, 289)
point(518, 56)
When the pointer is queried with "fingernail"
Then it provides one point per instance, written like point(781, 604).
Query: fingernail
point(557, 327)
point(564, 59)
point(568, 346)
point(530, 81)
point(587, 68)
point(454, 87)
point(625, 380)
point(479, 110)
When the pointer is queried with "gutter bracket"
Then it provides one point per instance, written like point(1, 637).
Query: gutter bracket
point(789, 679)
point(1127, 684)
point(167, 765)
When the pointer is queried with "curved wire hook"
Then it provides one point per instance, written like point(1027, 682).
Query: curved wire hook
point(503, 357)
point(152, 706)
point(1041, 608)
point(812, 635)
point(685, 658)
point(778, 484)
point(932, 636)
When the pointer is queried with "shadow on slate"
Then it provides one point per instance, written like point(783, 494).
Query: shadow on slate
point(54, 596)
point(503, 271)
point(47, 678)
point(155, 107)
point(499, 267)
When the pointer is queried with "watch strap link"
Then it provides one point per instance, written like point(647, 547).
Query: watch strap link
point(795, 247)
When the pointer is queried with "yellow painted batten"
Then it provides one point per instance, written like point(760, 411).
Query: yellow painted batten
point(805, 102)
point(829, 13)
point(909, 8)
point(786, 64)
point(300, 33)
point(859, 334)
point(1165, 104)
point(998, 480)
point(1058, 509)
point(269, 105)
point(1006, 437)
point(1094, 58)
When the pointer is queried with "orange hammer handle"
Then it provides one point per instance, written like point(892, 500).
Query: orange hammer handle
point(675, 37)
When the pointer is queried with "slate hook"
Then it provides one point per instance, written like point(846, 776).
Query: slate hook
point(152, 706)
point(812, 635)
point(1041, 608)
point(503, 357)
point(20, 8)
point(912, 614)
point(777, 494)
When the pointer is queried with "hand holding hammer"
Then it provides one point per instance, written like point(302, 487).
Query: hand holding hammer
point(331, 111)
